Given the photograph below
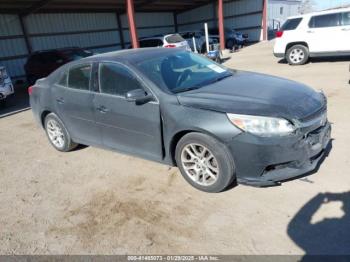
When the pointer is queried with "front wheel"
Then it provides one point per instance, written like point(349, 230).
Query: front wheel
point(297, 55)
point(205, 162)
point(58, 134)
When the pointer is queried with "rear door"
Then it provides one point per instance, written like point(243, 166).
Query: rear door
point(125, 126)
point(323, 34)
point(74, 102)
point(345, 32)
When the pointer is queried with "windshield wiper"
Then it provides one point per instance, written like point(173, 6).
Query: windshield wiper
point(186, 89)
point(219, 78)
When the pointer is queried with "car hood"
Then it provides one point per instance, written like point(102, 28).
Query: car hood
point(256, 94)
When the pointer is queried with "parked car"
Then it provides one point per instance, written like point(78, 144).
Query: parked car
point(180, 108)
point(168, 41)
point(325, 33)
point(232, 37)
point(199, 39)
point(6, 87)
point(41, 63)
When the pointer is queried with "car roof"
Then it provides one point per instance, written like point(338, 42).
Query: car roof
point(132, 56)
point(324, 12)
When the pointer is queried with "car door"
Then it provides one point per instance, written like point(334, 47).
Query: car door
point(345, 32)
point(124, 125)
point(323, 34)
point(74, 102)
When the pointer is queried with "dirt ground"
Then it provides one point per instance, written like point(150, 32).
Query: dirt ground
point(93, 201)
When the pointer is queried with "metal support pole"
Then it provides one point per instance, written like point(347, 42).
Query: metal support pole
point(175, 22)
point(264, 20)
point(120, 30)
point(132, 26)
point(221, 24)
point(25, 34)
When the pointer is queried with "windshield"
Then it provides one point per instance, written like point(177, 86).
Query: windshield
point(76, 54)
point(183, 71)
point(173, 39)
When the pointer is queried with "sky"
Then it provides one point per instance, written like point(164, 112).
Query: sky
point(324, 4)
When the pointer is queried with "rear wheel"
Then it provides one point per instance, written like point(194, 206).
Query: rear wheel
point(297, 55)
point(58, 134)
point(205, 162)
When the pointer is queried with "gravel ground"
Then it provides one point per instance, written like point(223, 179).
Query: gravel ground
point(93, 201)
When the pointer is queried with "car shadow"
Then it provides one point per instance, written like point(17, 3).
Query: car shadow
point(16, 103)
point(326, 236)
point(322, 60)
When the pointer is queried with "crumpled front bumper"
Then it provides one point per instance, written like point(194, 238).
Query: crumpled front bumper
point(268, 161)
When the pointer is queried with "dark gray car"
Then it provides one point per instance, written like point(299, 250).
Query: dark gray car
point(172, 106)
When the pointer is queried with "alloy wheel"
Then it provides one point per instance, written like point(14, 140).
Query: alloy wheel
point(200, 164)
point(55, 133)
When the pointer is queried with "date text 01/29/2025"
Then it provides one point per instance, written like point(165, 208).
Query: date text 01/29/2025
point(173, 258)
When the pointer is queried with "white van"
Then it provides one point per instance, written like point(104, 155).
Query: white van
point(325, 33)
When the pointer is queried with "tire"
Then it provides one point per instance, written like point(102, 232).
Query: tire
point(230, 44)
point(3, 103)
point(54, 127)
point(297, 55)
point(221, 166)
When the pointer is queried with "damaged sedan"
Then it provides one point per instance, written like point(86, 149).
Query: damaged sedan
point(217, 125)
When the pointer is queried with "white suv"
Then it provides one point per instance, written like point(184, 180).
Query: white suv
point(325, 33)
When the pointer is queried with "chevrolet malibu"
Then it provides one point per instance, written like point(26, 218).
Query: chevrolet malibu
point(217, 125)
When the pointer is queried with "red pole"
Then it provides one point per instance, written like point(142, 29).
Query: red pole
point(264, 20)
point(132, 27)
point(221, 24)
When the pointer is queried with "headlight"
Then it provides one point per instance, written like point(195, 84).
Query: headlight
point(262, 126)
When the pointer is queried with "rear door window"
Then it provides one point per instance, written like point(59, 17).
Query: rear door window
point(79, 77)
point(291, 24)
point(321, 21)
point(346, 18)
point(176, 38)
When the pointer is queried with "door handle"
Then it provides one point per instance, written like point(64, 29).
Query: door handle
point(102, 109)
point(60, 100)
point(310, 31)
point(346, 29)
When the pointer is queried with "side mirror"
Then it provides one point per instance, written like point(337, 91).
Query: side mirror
point(139, 96)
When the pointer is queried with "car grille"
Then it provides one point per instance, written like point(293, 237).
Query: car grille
point(315, 121)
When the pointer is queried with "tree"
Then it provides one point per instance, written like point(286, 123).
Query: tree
point(307, 6)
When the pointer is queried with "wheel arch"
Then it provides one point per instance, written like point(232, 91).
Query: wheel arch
point(180, 134)
point(296, 43)
point(43, 116)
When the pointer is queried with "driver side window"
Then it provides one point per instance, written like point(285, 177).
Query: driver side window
point(114, 79)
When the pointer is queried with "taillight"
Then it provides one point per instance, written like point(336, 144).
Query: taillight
point(170, 46)
point(279, 34)
point(30, 90)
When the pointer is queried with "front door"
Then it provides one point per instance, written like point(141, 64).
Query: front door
point(74, 103)
point(126, 126)
point(345, 32)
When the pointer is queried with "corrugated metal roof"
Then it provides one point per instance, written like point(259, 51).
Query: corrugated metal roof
point(31, 6)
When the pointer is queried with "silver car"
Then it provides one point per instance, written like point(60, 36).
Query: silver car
point(168, 41)
point(6, 87)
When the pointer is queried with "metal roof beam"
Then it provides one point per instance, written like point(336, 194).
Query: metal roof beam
point(35, 7)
